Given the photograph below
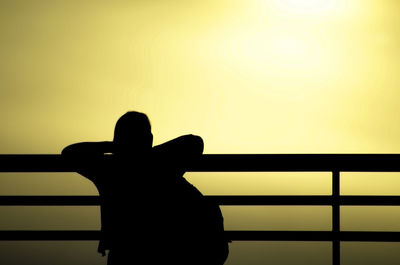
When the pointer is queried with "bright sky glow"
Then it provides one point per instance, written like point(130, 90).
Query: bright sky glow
point(309, 7)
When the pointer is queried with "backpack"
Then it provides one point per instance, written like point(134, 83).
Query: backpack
point(206, 235)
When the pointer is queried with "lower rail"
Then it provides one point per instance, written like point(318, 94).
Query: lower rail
point(89, 235)
point(221, 200)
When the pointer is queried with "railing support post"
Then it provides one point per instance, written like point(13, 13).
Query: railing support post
point(336, 217)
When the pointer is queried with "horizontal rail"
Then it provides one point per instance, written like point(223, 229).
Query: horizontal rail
point(229, 162)
point(231, 235)
point(221, 200)
point(334, 163)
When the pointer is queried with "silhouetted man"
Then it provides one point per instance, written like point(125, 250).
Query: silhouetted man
point(149, 213)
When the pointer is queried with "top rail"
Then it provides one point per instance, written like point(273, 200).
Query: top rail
point(230, 162)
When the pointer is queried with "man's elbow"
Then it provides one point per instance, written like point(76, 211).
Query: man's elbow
point(66, 151)
point(196, 144)
point(73, 150)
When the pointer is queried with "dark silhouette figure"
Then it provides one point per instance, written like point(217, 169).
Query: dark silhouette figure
point(149, 213)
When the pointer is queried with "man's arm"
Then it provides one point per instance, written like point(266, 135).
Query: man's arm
point(88, 148)
point(81, 154)
point(182, 151)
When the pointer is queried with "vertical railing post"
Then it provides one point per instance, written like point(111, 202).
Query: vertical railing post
point(336, 217)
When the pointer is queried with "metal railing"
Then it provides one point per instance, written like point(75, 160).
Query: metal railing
point(334, 163)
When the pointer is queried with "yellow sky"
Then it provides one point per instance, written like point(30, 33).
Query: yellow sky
point(249, 76)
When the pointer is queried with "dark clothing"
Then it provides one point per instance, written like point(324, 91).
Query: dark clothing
point(151, 214)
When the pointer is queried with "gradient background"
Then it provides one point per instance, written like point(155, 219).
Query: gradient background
point(249, 76)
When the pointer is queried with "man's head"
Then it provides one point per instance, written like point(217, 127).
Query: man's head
point(132, 134)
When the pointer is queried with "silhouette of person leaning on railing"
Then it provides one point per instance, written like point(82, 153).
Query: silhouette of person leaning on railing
point(149, 213)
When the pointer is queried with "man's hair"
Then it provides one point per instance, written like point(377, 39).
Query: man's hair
point(130, 122)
